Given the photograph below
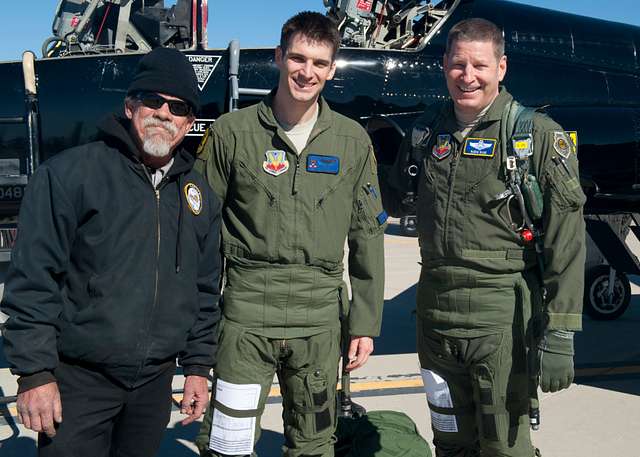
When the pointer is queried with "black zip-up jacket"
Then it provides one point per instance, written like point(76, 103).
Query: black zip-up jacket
point(110, 273)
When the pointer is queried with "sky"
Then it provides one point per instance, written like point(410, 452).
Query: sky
point(256, 23)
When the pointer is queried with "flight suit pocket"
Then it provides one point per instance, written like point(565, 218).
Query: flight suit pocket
point(566, 192)
point(256, 199)
point(370, 213)
point(314, 414)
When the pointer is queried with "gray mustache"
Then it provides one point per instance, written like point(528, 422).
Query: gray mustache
point(153, 122)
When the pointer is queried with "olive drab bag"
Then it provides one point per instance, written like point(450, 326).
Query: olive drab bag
point(379, 434)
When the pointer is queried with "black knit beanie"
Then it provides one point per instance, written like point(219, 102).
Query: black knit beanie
point(167, 71)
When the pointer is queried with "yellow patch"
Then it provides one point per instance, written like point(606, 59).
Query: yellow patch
point(574, 138)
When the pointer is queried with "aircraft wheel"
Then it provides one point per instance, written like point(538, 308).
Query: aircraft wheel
point(599, 302)
point(408, 226)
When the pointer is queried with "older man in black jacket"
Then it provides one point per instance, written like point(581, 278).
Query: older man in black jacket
point(115, 274)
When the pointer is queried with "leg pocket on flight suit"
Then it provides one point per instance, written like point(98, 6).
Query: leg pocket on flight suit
point(489, 392)
point(311, 404)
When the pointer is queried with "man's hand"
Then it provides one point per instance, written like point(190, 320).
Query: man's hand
point(195, 399)
point(555, 355)
point(359, 350)
point(39, 408)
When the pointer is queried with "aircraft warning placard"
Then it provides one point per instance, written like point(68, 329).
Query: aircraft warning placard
point(203, 65)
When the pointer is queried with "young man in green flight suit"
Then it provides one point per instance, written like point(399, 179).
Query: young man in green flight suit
point(479, 299)
point(297, 180)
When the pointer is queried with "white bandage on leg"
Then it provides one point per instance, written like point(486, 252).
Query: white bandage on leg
point(234, 435)
point(438, 394)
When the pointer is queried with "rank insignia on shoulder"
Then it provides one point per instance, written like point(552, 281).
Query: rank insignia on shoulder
point(323, 164)
point(442, 148)
point(276, 162)
point(194, 198)
point(419, 135)
point(573, 135)
point(479, 147)
point(562, 144)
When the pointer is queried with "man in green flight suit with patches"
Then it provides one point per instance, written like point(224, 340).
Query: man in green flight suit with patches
point(486, 336)
point(297, 181)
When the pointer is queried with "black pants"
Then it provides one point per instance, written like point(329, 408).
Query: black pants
point(103, 419)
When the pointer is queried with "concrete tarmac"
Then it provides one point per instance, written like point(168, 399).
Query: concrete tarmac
point(598, 416)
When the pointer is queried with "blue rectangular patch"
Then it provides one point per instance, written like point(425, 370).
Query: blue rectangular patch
point(382, 217)
point(323, 164)
point(479, 147)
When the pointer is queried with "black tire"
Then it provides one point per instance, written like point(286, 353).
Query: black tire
point(595, 294)
point(408, 226)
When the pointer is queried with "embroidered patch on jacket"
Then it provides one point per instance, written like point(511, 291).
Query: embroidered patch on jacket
point(573, 135)
point(323, 164)
point(562, 144)
point(442, 148)
point(382, 217)
point(194, 198)
point(276, 162)
point(479, 147)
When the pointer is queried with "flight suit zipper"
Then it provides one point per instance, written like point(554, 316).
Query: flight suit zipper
point(453, 166)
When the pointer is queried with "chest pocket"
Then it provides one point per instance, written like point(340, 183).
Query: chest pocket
point(332, 214)
point(257, 209)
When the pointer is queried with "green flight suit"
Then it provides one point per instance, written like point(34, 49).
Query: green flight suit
point(286, 218)
point(479, 287)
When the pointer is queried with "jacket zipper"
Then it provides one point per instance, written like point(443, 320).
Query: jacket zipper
point(157, 277)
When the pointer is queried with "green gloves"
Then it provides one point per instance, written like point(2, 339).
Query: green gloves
point(555, 358)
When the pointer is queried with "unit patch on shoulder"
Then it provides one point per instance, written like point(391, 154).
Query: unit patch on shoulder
point(442, 148)
point(562, 144)
point(194, 198)
point(574, 139)
point(276, 162)
point(203, 142)
point(479, 147)
point(323, 164)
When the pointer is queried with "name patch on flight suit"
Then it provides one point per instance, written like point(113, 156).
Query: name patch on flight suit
point(276, 162)
point(479, 147)
point(193, 197)
point(323, 164)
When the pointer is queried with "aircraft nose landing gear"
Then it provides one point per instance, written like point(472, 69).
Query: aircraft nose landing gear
point(607, 293)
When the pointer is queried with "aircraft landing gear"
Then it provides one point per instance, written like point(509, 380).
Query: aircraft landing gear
point(408, 226)
point(607, 293)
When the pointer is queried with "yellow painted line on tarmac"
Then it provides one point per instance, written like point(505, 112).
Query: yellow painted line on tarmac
point(400, 240)
point(416, 382)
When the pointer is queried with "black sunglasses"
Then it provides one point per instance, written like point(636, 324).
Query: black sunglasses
point(155, 101)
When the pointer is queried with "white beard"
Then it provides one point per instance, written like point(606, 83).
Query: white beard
point(155, 145)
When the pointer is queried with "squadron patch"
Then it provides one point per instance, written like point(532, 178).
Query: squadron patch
point(323, 164)
point(194, 198)
point(276, 162)
point(562, 144)
point(574, 139)
point(479, 147)
point(442, 148)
